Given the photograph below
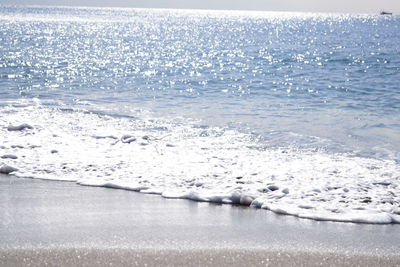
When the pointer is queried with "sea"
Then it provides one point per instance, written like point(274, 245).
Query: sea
point(296, 113)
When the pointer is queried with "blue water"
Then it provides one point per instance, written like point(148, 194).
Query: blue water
point(293, 112)
point(331, 76)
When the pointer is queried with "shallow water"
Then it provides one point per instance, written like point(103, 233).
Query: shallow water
point(292, 112)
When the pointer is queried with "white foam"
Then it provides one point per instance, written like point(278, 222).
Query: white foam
point(212, 164)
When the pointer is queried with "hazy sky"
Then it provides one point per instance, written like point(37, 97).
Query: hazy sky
point(358, 6)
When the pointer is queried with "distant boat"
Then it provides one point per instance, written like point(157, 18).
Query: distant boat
point(386, 13)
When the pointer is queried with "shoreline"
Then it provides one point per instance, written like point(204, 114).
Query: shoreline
point(59, 223)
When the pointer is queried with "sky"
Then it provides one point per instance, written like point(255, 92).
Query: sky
point(346, 6)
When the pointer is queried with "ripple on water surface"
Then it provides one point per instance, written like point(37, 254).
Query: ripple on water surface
point(323, 75)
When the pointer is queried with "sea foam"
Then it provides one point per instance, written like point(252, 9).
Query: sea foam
point(211, 164)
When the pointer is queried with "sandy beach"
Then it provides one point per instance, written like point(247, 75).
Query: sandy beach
point(62, 223)
point(173, 257)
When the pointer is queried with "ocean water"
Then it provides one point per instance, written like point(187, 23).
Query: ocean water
point(298, 113)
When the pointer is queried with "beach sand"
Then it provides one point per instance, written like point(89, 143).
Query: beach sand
point(62, 223)
point(214, 257)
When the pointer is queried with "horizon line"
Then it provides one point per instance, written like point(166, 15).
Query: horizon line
point(193, 9)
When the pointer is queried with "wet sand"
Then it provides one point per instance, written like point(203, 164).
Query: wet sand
point(62, 223)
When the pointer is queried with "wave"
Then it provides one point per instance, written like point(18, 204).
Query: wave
point(186, 159)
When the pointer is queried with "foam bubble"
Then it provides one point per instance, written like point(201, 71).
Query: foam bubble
point(5, 169)
point(19, 127)
point(9, 156)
